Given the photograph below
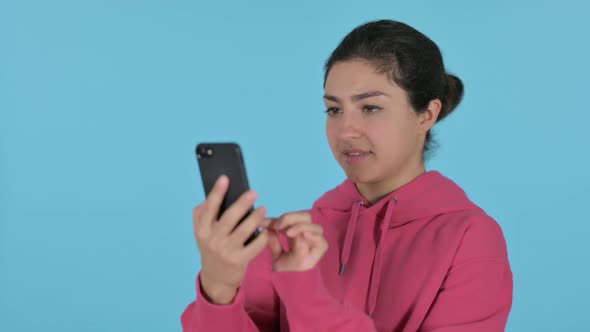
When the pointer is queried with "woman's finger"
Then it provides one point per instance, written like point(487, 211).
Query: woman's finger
point(213, 202)
point(255, 247)
point(232, 216)
point(274, 244)
point(197, 218)
point(247, 227)
point(292, 218)
point(317, 243)
point(300, 228)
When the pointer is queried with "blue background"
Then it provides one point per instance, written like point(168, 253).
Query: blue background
point(102, 103)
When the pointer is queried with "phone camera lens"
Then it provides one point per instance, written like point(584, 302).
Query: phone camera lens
point(205, 151)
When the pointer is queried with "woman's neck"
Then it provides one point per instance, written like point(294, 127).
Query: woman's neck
point(375, 191)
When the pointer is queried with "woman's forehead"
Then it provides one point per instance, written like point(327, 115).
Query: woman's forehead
point(360, 75)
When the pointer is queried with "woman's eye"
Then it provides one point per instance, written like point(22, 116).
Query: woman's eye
point(371, 108)
point(331, 111)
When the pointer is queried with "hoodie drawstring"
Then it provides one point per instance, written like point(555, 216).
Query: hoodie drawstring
point(350, 229)
point(376, 270)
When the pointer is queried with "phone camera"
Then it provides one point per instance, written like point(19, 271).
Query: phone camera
point(205, 151)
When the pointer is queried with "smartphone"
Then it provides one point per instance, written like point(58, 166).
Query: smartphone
point(216, 159)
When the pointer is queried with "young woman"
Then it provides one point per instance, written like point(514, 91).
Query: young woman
point(392, 248)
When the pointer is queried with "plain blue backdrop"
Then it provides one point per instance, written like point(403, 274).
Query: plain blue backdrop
point(102, 103)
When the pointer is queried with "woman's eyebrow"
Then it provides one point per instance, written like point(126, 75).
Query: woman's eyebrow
point(358, 97)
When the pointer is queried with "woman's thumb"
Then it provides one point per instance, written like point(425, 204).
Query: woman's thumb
point(274, 244)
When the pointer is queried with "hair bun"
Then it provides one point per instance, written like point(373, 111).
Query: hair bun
point(452, 96)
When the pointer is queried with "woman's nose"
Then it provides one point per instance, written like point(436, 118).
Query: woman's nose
point(351, 125)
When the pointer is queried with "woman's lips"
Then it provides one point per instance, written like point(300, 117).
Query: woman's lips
point(352, 156)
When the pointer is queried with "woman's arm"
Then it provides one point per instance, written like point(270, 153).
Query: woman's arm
point(254, 308)
point(310, 307)
point(476, 295)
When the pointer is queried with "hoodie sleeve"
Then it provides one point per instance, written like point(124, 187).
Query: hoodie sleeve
point(202, 315)
point(476, 295)
point(309, 307)
point(255, 307)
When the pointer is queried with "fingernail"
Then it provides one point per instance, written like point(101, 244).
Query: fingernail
point(222, 180)
point(252, 195)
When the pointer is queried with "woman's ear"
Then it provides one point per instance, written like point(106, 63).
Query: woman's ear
point(427, 119)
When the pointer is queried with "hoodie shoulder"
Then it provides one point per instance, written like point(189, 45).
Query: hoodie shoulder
point(482, 236)
point(340, 197)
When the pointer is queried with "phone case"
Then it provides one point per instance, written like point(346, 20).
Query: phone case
point(216, 159)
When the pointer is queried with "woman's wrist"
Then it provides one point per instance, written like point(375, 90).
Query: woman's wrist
point(217, 294)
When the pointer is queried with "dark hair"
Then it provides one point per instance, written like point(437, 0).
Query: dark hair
point(409, 58)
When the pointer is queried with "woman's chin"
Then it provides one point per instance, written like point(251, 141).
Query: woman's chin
point(359, 178)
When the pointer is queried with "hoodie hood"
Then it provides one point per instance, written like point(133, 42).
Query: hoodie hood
point(427, 195)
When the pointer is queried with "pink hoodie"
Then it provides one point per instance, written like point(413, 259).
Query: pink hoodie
point(424, 258)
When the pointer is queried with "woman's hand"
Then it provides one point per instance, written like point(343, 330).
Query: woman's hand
point(223, 254)
point(307, 244)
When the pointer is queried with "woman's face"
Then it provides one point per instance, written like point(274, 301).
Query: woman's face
point(373, 132)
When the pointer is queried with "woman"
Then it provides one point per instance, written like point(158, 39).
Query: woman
point(393, 248)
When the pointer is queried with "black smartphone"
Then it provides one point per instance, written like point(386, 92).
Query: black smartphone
point(216, 159)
